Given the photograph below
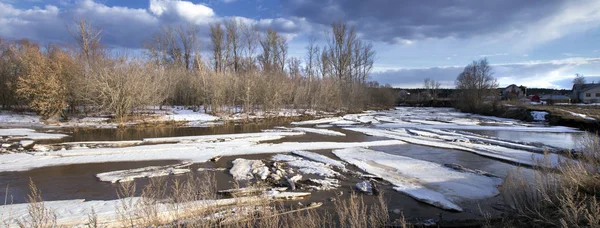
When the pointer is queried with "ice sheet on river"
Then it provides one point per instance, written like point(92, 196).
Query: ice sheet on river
point(25, 133)
point(191, 151)
point(306, 166)
point(319, 158)
point(150, 171)
point(425, 181)
point(488, 150)
point(319, 131)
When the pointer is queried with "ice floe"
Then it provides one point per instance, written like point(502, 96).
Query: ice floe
point(244, 169)
point(307, 130)
point(318, 131)
point(305, 166)
point(145, 172)
point(425, 181)
point(319, 158)
point(318, 121)
point(25, 133)
point(197, 149)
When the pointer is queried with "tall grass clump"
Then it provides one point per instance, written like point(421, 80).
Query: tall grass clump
point(564, 196)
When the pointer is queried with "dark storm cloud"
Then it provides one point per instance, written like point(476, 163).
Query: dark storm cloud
point(395, 21)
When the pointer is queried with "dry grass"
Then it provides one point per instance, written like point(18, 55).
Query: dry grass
point(39, 216)
point(186, 203)
point(563, 197)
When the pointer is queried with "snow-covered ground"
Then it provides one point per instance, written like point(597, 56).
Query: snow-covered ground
point(425, 181)
point(539, 115)
point(582, 116)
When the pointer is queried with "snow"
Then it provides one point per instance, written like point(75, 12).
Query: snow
point(582, 116)
point(12, 119)
point(326, 184)
point(26, 143)
point(426, 181)
point(493, 151)
point(25, 133)
point(319, 158)
point(194, 151)
point(75, 213)
point(145, 172)
point(307, 167)
point(539, 115)
point(194, 118)
point(245, 169)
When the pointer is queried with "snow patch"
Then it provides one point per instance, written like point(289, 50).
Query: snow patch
point(539, 115)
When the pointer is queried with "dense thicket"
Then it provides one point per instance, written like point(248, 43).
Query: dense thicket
point(247, 70)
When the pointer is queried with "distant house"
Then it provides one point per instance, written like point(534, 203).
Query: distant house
point(514, 92)
point(586, 93)
point(534, 98)
point(554, 99)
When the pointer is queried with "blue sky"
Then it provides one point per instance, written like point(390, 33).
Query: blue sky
point(536, 43)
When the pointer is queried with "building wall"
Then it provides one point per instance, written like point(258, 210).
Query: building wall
point(590, 96)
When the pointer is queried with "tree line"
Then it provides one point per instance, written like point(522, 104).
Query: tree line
point(245, 70)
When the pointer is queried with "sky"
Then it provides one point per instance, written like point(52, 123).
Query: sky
point(535, 43)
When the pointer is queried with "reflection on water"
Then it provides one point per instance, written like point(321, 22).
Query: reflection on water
point(560, 140)
point(137, 133)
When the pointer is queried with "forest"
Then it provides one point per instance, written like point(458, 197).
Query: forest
point(237, 69)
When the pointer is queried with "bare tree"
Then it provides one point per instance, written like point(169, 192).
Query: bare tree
point(87, 37)
point(312, 52)
point(188, 37)
point(431, 87)
point(476, 85)
point(218, 47)
point(251, 37)
point(579, 79)
point(233, 43)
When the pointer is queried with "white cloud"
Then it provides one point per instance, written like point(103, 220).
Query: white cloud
point(188, 11)
point(122, 26)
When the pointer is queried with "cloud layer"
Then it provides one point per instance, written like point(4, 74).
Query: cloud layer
point(123, 27)
point(536, 74)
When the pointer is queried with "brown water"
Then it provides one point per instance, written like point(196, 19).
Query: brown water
point(79, 181)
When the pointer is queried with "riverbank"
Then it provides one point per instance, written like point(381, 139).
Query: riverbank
point(583, 117)
point(177, 116)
